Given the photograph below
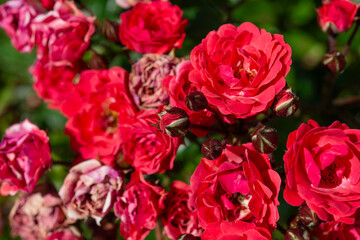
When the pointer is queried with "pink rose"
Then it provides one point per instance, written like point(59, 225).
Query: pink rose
point(144, 146)
point(179, 88)
point(101, 99)
point(63, 34)
point(138, 208)
point(238, 186)
point(240, 69)
point(322, 168)
point(65, 234)
point(336, 231)
point(179, 216)
point(235, 231)
point(90, 189)
point(336, 16)
point(24, 157)
point(155, 27)
point(16, 18)
point(36, 215)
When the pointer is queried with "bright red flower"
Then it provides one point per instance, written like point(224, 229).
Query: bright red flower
point(336, 231)
point(155, 27)
point(322, 168)
point(238, 186)
point(336, 16)
point(235, 231)
point(240, 69)
point(24, 157)
point(139, 207)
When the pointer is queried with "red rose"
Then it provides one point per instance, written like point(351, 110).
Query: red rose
point(179, 216)
point(240, 69)
point(179, 88)
point(322, 168)
point(238, 186)
point(336, 16)
point(100, 100)
point(336, 231)
point(138, 208)
point(48, 4)
point(144, 146)
point(155, 27)
point(63, 34)
point(24, 157)
point(16, 17)
point(235, 231)
point(131, 3)
point(65, 234)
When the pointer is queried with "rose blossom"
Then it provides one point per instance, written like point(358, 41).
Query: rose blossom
point(139, 207)
point(16, 18)
point(65, 234)
point(147, 80)
point(36, 215)
point(100, 101)
point(238, 186)
point(322, 168)
point(155, 27)
point(179, 216)
point(90, 189)
point(131, 3)
point(235, 231)
point(63, 34)
point(336, 231)
point(240, 69)
point(179, 88)
point(336, 16)
point(144, 146)
point(24, 157)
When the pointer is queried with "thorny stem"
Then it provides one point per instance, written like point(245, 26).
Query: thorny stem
point(332, 42)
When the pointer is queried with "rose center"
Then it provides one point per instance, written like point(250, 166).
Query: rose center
point(110, 121)
point(329, 176)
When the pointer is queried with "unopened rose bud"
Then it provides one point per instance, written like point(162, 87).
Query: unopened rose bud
point(196, 101)
point(111, 31)
point(211, 149)
point(188, 237)
point(334, 61)
point(264, 139)
point(297, 234)
point(174, 122)
point(286, 103)
point(307, 217)
point(97, 62)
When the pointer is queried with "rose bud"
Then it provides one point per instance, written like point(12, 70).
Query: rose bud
point(196, 101)
point(286, 103)
point(264, 139)
point(146, 80)
point(90, 189)
point(35, 215)
point(334, 61)
point(211, 148)
point(174, 122)
point(336, 16)
point(97, 62)
point(111, 31)
point(24, 157)
point(188, 237)
point(307, 217)
point(297, 234)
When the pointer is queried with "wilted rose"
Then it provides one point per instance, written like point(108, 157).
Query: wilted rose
point(147, 80)
point(90, 189)
point(238, 186)
point(155, 27)
point(179, 215)
point(16, 18)
point(240, 69)
point(24, 157)
point(36, 215)
point(322, 169)
point(139, 207)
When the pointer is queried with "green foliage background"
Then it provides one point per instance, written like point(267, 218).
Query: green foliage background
point(295, 19)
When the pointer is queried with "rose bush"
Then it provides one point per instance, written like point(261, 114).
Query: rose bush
point(322, 169)
point(240, 69)
point(155, 27)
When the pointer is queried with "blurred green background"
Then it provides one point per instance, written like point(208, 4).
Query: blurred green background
point(295, 19)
